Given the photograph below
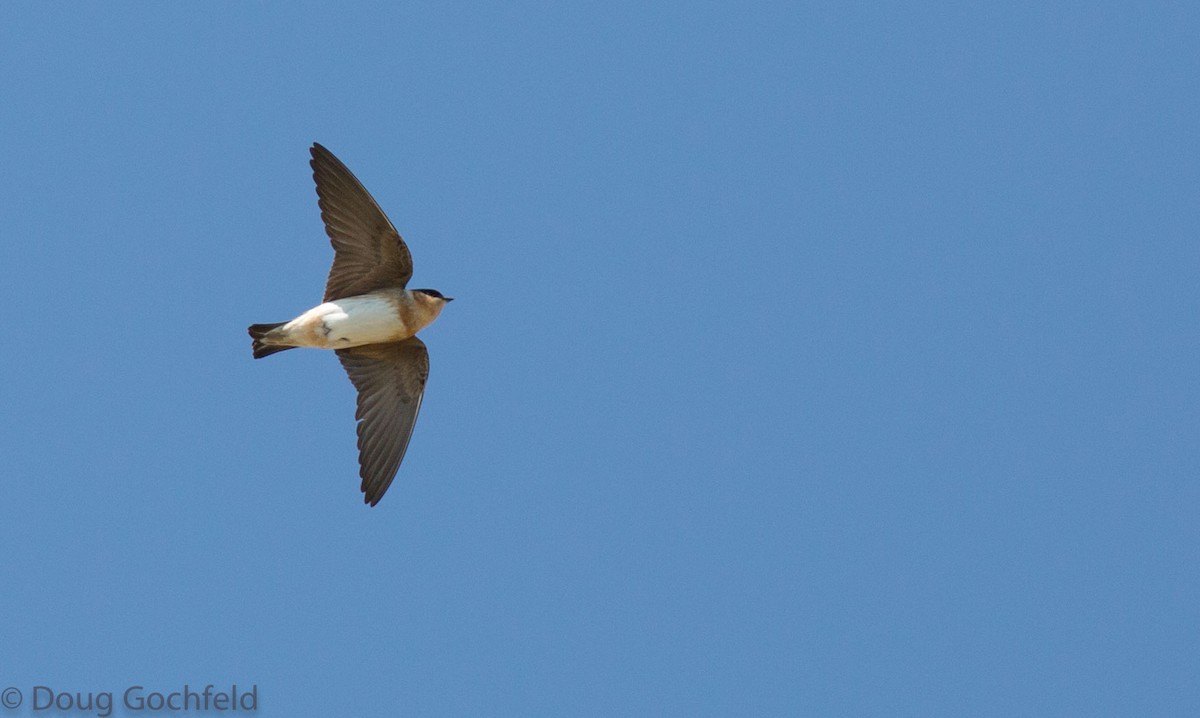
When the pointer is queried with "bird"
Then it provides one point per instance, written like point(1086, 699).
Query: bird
point(368, 317)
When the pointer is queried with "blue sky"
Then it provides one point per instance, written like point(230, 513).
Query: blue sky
point(807, 359)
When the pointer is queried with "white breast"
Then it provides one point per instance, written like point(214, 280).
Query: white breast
point(348, 323)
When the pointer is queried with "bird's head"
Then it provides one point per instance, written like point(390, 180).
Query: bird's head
point(431, 299)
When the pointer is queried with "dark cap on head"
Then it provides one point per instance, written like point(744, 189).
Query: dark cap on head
point(435, 294)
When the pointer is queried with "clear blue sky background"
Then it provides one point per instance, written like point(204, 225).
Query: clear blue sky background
point(808, 358)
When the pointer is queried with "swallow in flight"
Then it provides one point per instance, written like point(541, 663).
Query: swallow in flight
point(369, 318)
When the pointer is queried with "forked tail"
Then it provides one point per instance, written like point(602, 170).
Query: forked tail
point(262, 349)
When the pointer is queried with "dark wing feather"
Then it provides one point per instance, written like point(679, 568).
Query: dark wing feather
point(390, 379)
point(368, 251)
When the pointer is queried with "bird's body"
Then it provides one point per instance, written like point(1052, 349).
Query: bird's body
point(388, 315)
point(369, 318)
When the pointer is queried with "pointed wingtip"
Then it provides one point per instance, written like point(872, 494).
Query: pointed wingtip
point(319, 151)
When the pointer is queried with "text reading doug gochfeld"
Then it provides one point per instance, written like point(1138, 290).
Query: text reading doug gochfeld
point(45, 700)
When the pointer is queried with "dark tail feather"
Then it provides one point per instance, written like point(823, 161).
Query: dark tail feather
point(257, 332)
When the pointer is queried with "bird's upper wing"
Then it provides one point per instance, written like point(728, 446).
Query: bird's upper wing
point(390, 379)
point(368, 251)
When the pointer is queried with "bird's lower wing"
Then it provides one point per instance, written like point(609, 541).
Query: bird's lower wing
point(390, 379)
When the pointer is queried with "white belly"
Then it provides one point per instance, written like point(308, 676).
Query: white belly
point(347, 323)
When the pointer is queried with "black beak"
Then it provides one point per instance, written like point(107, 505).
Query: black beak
point(448, 299)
